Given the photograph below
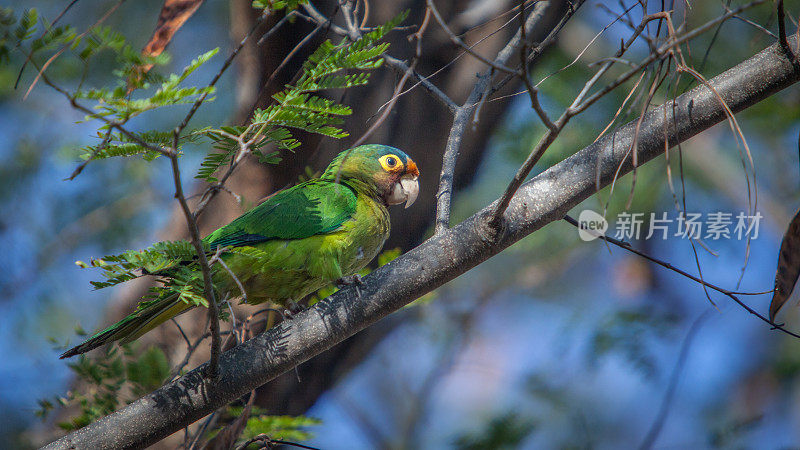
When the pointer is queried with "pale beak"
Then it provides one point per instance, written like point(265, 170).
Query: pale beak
point(405, 190)
point(410, 188)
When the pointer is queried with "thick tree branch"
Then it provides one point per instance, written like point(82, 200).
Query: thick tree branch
point(544, 199)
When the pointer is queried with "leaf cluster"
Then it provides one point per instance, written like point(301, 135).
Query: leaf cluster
point(116, 103)
point(116, 379)
point(290, 428)
point(173, 262)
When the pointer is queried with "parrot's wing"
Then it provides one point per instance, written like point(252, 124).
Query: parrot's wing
point(313, 207)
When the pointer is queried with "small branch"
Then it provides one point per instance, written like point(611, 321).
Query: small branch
point(537, 51)
point(387, 109)
point(235, 279)
point(100, 148)
point(110, 123)
point(64, 47)
point(522, 173)
point(287, 59)
point(444, 194)
point(185, 338)
point(533, 92)
point(349, 19)
point(462, 115)
point(277, 26)
point(579, 104)
point(320, 18)
point(430, 87)
point(208, 287)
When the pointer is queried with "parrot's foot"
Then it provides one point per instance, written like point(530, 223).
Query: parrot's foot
point(350, 281)
point(292, 308)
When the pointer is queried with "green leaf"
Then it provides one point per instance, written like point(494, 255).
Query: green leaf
point(280, 427)
point(27, 24)
point(149, 370)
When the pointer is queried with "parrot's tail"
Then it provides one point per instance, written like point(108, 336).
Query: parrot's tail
point(135, 325)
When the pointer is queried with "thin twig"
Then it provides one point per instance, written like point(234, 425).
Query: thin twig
point(277, 26)
point(579, 104)
point(47, 30)
point(533, 92)
point(726, 292)
point(66, 46)
point(185, 338)
point(499, 66)
point(222, 69)
point(95, 152)
point(194, 233)
point(462, 115)
point(388, 109)
point(661, 52)
point(200, 432)
point(396, 94)
point(435, 92)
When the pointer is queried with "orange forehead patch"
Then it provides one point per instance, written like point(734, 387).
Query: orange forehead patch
point(412, 168)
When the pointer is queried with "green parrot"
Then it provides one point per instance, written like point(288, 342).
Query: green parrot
point(308, 236)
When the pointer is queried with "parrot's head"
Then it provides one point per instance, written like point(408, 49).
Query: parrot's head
point(386, 171)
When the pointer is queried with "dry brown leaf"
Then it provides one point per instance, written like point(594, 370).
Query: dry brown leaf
point(788, 267)
point(173, 15)
point(228, 436)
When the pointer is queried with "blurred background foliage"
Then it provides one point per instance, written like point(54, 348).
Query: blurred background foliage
point(554, 343)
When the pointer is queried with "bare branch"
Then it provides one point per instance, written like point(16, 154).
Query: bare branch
point(464, 112)
point(103, 144)
point(194, 233)
point(388, 108)
point(320, 18)
point(533, 92)
point(431, 88)
point(579, 104)
point(669, 393)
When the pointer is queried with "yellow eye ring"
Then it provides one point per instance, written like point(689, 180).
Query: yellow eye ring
point(391, 163)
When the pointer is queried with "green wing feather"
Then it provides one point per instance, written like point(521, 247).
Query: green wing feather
point(313, 207)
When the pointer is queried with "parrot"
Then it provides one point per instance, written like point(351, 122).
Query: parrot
point(312, 234)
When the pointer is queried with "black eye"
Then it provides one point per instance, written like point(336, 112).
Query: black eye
point(391, 161)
